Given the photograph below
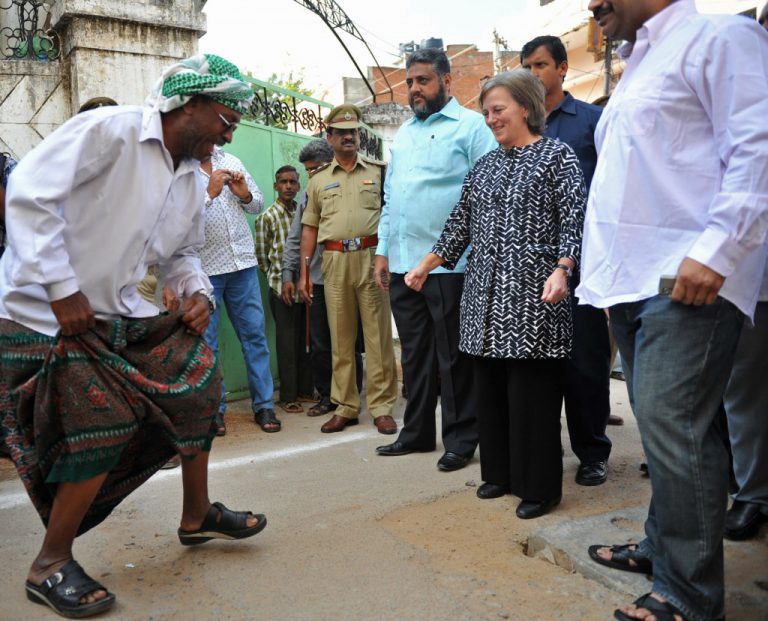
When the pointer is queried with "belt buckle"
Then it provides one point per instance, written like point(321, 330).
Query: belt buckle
point(350, 245)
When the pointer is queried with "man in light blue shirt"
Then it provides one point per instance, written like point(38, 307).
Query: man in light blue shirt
point(430, 156)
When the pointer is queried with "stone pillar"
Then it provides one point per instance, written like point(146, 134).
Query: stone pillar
point(386, 118)
point(118, 48)
point(110, 48)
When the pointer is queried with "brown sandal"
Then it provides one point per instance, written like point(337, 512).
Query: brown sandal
point(291, 407)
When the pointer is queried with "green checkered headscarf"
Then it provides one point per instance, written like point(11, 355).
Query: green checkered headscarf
point(204, 74)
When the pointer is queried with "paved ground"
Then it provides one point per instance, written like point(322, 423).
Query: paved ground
point(356, 536)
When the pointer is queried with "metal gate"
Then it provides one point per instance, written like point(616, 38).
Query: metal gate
point(280, 122)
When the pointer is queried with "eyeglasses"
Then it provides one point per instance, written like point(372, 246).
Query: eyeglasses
point(227, 125)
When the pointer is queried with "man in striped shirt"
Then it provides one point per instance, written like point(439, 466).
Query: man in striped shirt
point(293, 364)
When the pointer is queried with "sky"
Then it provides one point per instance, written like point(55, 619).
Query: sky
point(280, 36)
point(277, 36)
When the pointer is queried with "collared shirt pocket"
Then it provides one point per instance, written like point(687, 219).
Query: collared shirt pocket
point(640, 106)
point(330, 199)
point(370, 194)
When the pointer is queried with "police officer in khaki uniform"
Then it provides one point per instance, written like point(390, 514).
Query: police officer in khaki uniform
point(343, 207)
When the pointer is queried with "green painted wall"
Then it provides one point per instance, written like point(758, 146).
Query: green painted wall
point(262, 150)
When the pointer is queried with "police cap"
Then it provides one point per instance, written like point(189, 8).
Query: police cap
point(346, 116)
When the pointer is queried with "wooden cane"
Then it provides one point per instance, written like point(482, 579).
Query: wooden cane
point(307, 281)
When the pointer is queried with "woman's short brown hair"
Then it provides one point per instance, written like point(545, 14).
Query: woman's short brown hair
point(527, 90)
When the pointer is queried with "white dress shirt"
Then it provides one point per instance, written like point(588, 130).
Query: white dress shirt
point(682, 169)
point(228, 239)
point(90, 209)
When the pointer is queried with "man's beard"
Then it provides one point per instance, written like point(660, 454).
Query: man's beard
point(430, 106)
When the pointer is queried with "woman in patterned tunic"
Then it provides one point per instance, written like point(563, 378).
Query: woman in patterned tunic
point(522, 210)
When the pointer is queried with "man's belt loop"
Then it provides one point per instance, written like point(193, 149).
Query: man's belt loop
point(352, 245)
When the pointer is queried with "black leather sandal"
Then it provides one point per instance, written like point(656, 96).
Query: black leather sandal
point(661, 611)
point(223, 523)
point(266, 419)
point(218, 421)
point(63, 590)
point(621, 557)
point(321, 408)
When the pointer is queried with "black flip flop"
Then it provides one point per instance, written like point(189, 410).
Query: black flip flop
point(63, 590)
point(620, 557)
point(223, 523)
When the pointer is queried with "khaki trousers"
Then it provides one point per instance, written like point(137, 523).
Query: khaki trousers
point(350, 290)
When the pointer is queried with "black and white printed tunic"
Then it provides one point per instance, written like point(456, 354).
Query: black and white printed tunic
point(521, 210)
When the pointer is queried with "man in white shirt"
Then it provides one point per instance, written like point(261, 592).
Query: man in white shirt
point(229, 260)
point(96, 390)
point(676, 219)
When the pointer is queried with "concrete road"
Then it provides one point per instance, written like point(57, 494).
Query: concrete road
point(350, 536)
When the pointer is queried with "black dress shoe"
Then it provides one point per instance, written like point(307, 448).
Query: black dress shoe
point(528, 509)
point(743, 519)
point(592, 473)
point(396, 448)
point(491, 490)
point(452, 461)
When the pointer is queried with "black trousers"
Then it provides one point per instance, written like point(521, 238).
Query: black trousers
point(320, 353)
point(428, 324)
point(293, 362)
point(519, 415)
point(587, 384)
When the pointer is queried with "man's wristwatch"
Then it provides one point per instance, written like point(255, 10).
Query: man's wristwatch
point(566, 268)
point(211, 300)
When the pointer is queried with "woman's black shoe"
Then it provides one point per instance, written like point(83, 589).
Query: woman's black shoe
point(528, 509)
point(491, 490)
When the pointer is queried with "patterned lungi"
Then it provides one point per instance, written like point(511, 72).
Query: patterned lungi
point(121, 399)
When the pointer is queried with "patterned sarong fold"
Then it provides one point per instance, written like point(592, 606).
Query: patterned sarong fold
point(120, 399)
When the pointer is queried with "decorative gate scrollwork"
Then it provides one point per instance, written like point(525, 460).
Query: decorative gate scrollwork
point(28, 40)
point(278, 109)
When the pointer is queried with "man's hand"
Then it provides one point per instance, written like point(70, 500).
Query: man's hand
point(381, 272)
point(218, 179)
point(288, 291)
point(696, 283)
point(305, 288)
point(74, 314)
point(556, 287)
point(196, 313)
point(170, 301)
point(238, 185)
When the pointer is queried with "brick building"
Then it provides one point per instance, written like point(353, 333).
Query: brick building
point(470, 67)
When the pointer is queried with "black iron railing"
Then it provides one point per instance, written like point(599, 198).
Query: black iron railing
point(275, 106)
point(26, 36)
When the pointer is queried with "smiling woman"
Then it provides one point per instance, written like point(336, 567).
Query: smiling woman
point(521, 209)
point(513, 107)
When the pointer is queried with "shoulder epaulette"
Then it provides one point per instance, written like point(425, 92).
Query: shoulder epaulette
point(370, 160)
point(317, 170)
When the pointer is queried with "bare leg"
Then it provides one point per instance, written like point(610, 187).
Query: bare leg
point(69, 507)
point(194, 476)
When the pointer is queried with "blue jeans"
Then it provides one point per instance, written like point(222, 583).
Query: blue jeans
point(240, 292)
point(677, 360)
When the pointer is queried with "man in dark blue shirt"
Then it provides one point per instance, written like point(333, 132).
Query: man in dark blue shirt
point(587, 403)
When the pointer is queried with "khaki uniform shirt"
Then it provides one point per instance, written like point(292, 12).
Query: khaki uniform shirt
point(345, 205)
